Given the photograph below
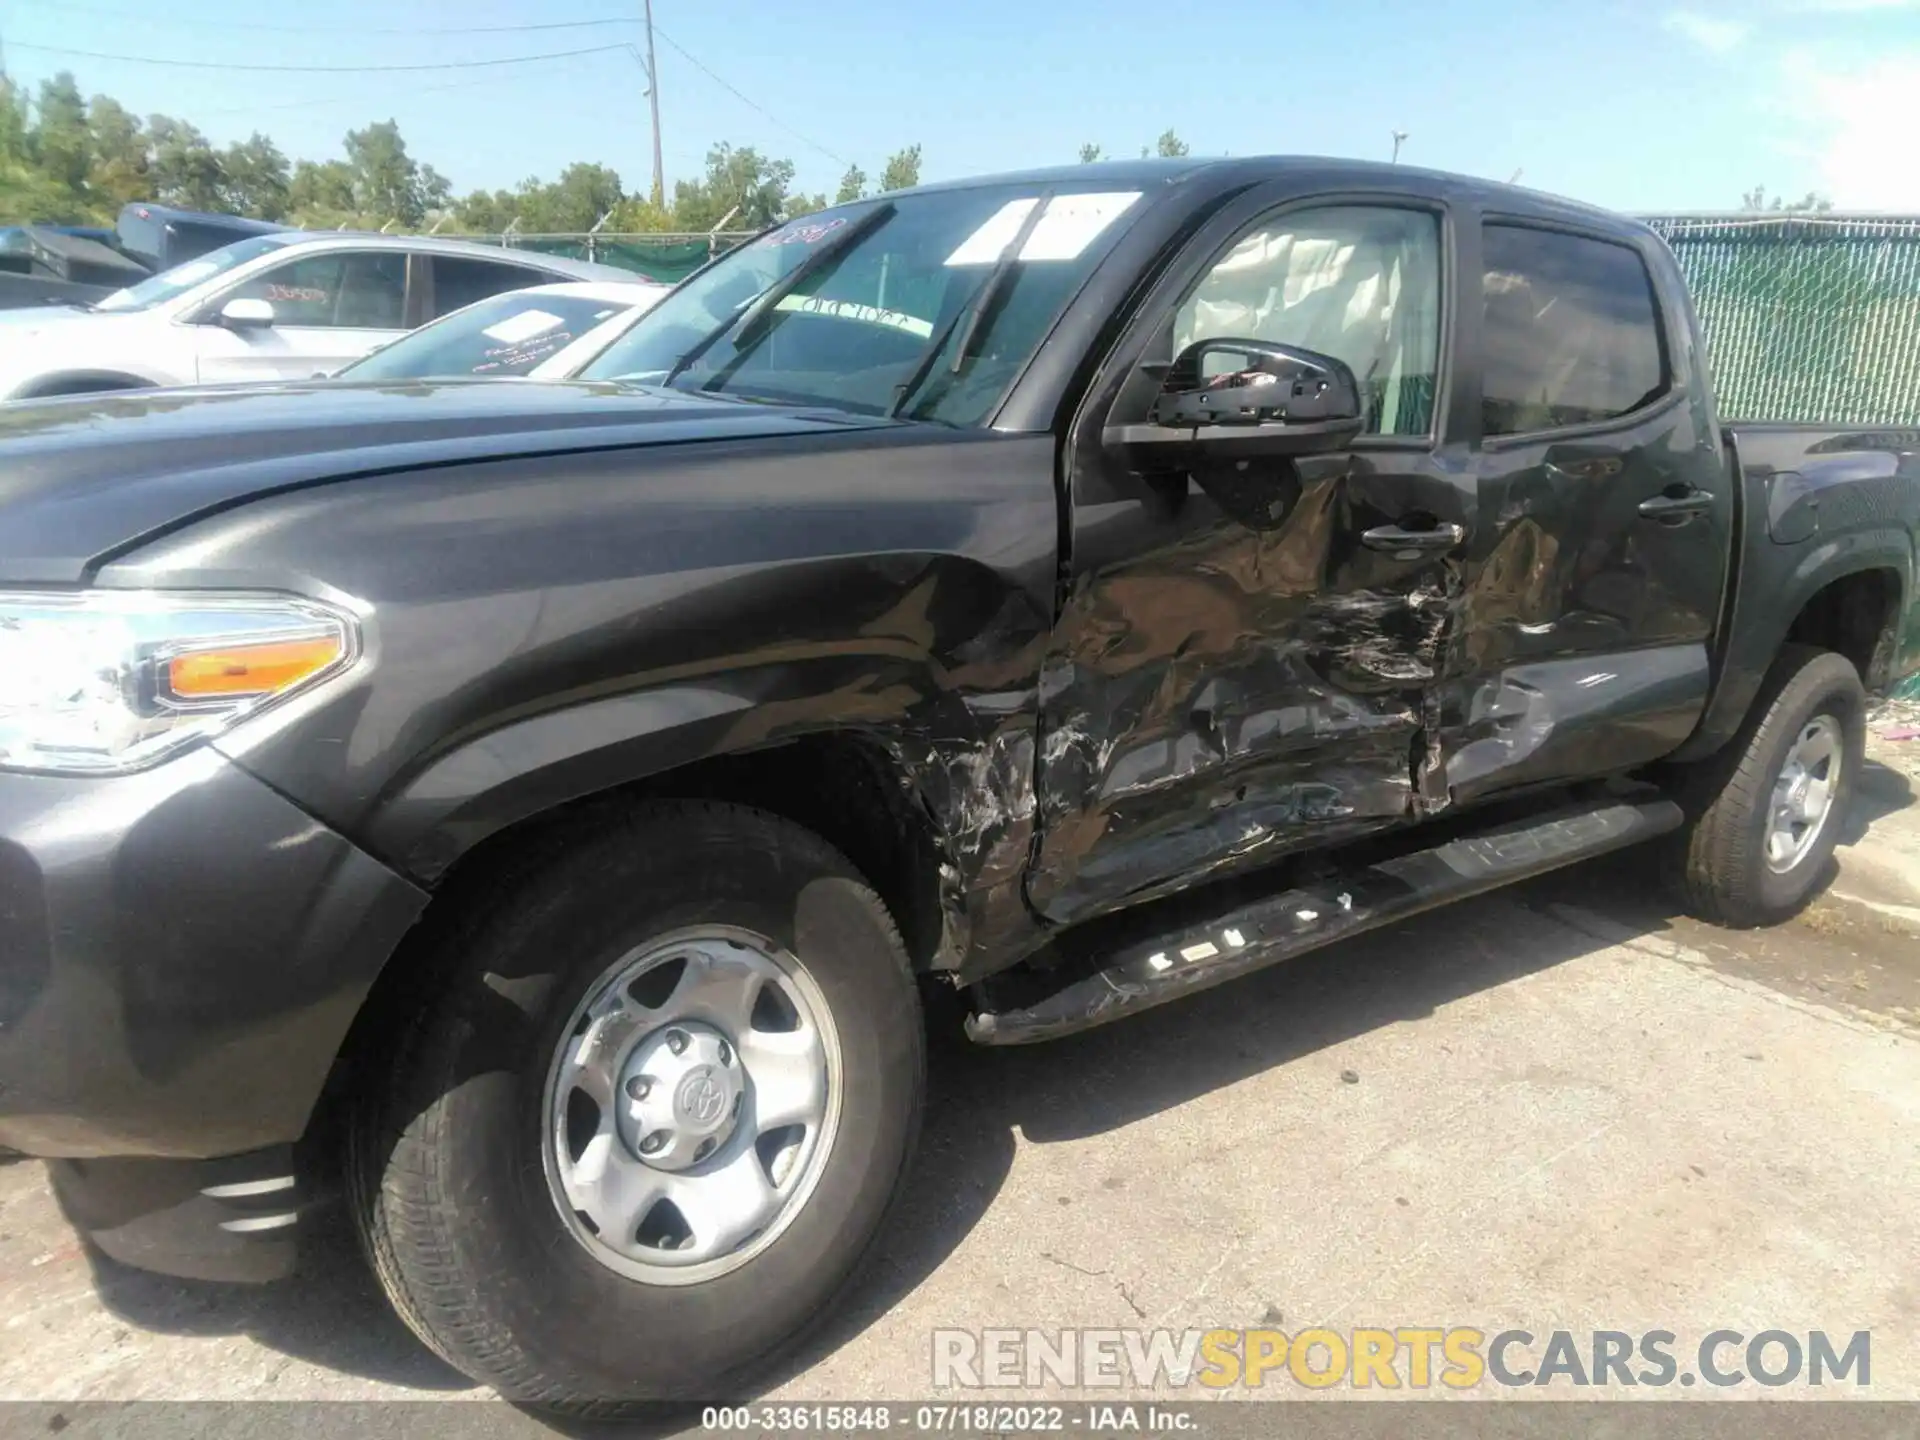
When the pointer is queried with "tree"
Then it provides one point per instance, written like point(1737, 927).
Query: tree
point(742, 181)
point(15, 122)
point(256, 179)
point(322, 194)
point(26, 191)
point(1170, 146)
point(1089, 153)
point(61, 142)
point(386, 179)
point(486, 212)
point(638, 214)
point(436, 191)
point(183, 167)
point(1812, 203)
point(902, 171)
point(64, 159)
point(573, 203)
point(853, 186)
point(119, 174)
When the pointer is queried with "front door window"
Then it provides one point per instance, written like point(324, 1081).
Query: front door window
point(1359, 283)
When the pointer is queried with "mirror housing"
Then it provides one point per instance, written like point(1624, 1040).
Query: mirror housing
point(243, 313)
point(1273, 400)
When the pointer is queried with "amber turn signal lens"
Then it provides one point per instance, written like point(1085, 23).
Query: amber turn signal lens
point(256, 669)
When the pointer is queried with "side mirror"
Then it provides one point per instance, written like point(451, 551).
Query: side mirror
point(246, 314)
point(1234, 416)
point(1229, 398)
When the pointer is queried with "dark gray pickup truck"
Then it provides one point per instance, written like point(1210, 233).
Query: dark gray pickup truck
point(544, 807)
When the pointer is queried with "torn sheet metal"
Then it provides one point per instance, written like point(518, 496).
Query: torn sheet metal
point(1219, 694)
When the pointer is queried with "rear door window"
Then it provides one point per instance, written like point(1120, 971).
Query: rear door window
point(458, 282)
point(1572, 332)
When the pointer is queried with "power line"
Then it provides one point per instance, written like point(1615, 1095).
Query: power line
point(320, 69)
point(757, 109)
point(66, 9)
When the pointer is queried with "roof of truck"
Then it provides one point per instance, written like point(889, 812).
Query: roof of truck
point(1155, 171)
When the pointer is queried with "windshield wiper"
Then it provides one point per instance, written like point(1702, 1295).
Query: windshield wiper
point(755, 315)
point(973, 314)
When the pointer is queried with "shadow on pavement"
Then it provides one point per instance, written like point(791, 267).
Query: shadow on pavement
point(330, 1312)
point(1881, 791)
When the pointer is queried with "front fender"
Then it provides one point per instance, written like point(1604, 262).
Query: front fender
point(495, 780)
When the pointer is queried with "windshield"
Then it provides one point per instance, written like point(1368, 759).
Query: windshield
point(504, 335)
point(181, 278)
point(884, 282)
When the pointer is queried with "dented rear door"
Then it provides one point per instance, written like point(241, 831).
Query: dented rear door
point(1246, 660)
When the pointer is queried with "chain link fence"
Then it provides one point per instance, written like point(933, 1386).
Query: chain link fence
point(1813, 318)
point(664, 257)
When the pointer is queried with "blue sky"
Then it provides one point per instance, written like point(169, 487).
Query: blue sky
point(1637, 104)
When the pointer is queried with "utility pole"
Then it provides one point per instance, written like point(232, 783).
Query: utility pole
point(1398, 137)
point(653, 98)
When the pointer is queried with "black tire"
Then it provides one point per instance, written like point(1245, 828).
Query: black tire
point(1719, 861)
point(445, 1164)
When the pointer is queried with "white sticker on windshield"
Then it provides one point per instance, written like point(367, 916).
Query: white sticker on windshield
point(1072, 223)
point(854, 310)
point(524, 326)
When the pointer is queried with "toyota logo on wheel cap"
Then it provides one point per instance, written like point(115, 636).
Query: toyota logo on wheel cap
point(701, 1099)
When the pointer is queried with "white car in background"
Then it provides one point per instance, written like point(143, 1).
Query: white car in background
point(566, 364)
point(284, 306)
point(509, 334)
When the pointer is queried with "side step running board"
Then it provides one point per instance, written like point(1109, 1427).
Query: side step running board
point(1151, 972)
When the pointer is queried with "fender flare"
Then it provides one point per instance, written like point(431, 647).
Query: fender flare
point(1770, 598)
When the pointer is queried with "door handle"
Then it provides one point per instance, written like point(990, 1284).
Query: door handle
point(1670, 505)
point(1432, 541)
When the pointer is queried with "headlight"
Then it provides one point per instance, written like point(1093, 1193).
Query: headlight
point(105, 682)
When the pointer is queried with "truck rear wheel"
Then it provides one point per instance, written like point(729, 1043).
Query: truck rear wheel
point(647, 1116)
point(1765, 814)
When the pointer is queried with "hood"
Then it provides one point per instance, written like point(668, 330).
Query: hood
point(20, 321)
point(89, 476)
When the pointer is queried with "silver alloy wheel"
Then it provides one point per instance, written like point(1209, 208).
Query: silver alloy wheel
point(692, 1105)
point(1803, 795)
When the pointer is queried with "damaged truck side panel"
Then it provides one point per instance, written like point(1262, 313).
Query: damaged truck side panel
point(904, 597)
point(1245, 662)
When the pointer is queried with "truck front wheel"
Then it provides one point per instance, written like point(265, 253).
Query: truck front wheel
point(647, 1112)
point(1764, 815)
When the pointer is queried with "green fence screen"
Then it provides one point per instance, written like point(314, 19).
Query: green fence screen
point(1813, 318)
point(668, 258)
